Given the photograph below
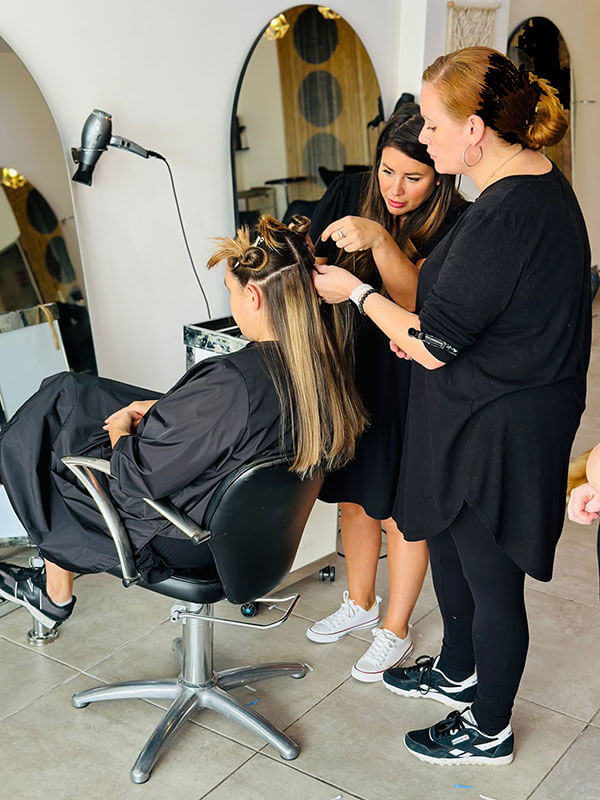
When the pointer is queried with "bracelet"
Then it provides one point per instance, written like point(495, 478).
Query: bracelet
point(360, 294)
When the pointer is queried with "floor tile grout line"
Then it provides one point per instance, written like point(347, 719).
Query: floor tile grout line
point(231, 774)
point(122, 646)
point(557, 762)
point(40, 696)
point(554, 710)
point(42, 652)
point(530, 588)
point(334, 786)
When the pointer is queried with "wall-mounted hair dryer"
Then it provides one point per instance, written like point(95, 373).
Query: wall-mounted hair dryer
point(96, 137)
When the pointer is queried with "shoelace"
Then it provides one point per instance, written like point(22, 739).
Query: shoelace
point(24, 573)
point(345, 611)
point(383, 642)
point(425, 665)
point(452, 724)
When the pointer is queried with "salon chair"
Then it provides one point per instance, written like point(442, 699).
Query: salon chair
point(253, 526)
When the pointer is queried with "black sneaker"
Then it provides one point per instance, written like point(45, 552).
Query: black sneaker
point(457, 739)
point(423, 679)
point(26, 586)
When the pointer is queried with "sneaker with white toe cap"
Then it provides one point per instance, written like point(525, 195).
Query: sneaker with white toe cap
point(348, 618)
point(387, 651)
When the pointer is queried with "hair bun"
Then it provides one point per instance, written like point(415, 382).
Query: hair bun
point(299, 224)
point(253, 258)
point(549, 122)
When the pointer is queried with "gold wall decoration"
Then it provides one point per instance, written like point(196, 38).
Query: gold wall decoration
point(277, 28)
point(12, 179)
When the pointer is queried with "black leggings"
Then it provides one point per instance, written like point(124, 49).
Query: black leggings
point(480, 593)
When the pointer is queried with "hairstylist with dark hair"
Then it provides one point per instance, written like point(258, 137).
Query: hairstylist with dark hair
point(379, 225)
point(500, 341)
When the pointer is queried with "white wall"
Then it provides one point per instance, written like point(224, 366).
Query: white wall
point(29, 143)
point(167, 73)
point(580, 27)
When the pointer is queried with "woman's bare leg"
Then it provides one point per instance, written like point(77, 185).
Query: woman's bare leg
point(59, 583)
point(407, 565)
point(361, 537)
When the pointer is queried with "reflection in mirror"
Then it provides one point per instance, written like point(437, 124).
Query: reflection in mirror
point(34, 262)
point(307, 108)
point(538, 46)
point(39, 250)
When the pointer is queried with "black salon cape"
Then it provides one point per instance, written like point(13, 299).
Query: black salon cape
point(222, 413)
point(509, 288)
point(371, 479)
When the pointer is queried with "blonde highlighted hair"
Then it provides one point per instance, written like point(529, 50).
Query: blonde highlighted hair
point(310, 361)
point(518, 105)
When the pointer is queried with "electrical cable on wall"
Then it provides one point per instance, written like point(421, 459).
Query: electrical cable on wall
point(96, 137)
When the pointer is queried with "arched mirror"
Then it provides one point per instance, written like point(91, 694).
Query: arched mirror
point(538, 45)
point(44, 324)
point(307, 107)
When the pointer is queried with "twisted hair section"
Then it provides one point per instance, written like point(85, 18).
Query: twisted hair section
point(515, 103)
point(310, 358)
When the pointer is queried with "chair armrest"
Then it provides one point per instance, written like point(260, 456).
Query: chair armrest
point(82, 467)
point(179, 520)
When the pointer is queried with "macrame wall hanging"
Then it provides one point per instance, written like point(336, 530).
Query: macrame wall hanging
point(470, 25)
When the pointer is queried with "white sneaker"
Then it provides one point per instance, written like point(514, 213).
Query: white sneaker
point(387, 651)
point(348, 618)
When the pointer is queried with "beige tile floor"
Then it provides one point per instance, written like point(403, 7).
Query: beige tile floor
point(350, 734)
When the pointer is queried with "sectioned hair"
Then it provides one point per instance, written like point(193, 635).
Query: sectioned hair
point(311, 359)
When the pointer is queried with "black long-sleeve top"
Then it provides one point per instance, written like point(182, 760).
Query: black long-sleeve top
point(509, 289)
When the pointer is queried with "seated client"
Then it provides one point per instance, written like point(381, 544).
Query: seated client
point(287, 390)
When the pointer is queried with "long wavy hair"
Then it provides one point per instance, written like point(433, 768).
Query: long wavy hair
point(410, 231)
point(310, 359)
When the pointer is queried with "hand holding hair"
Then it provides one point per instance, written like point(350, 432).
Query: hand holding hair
point(334, 284)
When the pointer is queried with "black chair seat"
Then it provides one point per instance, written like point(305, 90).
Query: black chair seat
point(191, 586)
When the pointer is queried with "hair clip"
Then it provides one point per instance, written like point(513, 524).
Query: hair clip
point(259, 240)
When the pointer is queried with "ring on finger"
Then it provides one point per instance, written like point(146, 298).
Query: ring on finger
point(340, 234)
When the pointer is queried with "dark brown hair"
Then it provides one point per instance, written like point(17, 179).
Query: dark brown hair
point(310, 360)
point(419, 226)
point(518, 105)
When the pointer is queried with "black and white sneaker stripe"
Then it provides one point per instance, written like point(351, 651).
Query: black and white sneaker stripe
point(457, 739)
point(423, 679)
point(26, 586)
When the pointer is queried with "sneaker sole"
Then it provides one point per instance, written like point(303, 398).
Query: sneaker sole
point(330, 638)
point(481, 761)
point(459, 705)
point(374, 677)
point(33, 610)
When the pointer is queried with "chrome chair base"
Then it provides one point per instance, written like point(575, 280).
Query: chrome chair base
point(40, 635)
point(197, 687)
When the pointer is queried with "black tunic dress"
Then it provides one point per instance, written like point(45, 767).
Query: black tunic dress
point(383, 380)
point(223, 412)
point(509, 288)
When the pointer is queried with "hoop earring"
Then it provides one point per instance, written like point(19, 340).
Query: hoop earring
point(464, 153)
